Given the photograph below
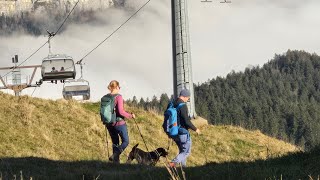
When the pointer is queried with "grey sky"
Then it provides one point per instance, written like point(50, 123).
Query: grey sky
point(224, 37)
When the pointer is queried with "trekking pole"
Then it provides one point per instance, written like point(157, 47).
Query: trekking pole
point(141, 134)
point(183, 173)
point(107, 142)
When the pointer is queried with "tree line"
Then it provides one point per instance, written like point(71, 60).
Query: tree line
point(281, 99)
point(37, 22)
point(158, 105)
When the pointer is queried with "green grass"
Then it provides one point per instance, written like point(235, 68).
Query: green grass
point(215, 144)
point(65, 140)
point(93, 107)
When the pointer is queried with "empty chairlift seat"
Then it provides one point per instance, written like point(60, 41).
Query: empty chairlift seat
point(58, 67)
point(78, 87)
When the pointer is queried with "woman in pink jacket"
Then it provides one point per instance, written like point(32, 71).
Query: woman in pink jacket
point(118, 128)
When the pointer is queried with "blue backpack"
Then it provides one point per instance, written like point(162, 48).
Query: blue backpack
point(170, 124)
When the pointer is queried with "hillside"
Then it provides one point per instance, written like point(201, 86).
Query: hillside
point(42, 128)
point(44, 138)
point(58, 130)
point(280, 98)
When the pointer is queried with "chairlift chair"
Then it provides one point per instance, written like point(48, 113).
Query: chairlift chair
point(58, 67)
point(78, 87)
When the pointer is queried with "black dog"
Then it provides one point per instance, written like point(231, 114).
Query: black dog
point(146, 158)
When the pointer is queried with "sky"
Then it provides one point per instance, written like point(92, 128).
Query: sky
point(224, 37)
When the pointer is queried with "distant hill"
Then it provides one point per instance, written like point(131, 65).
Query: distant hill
point(35, 17)
point(36, 23)
point(44, 132)
point(281, 98)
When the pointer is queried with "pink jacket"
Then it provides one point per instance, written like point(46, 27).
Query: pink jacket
point(120, 111)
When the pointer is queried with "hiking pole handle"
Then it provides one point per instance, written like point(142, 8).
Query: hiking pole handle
point(133, 115)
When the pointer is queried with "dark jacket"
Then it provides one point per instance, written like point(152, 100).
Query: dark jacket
point(183, 116)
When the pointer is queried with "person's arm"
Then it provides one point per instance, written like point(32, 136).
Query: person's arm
point(186, 118)
point(121, 111)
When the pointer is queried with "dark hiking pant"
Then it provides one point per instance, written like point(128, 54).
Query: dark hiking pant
point(115, 132)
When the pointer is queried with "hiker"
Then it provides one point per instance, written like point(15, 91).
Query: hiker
point(182, 139)
point(113, 115)
point(54, 70)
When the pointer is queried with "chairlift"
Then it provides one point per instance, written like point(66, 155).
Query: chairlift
point(58, 67)
point(79, 87)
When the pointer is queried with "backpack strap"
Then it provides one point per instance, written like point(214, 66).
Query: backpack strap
point(180, 105)
point(177, 108)
point(115, 104)
point(114, 97)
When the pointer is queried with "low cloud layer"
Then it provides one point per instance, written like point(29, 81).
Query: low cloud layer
point(224, 37)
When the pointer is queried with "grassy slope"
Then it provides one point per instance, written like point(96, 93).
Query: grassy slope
point(215, 144)
point(57, 130)
point(63, 139)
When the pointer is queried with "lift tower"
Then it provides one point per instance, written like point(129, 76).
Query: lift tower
point(182, 67)
point(16, 83)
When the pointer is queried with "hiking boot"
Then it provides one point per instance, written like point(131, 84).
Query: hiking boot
point(115, 157)
point(111, 158)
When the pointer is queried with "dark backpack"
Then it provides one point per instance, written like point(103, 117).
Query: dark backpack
point(170, 124)
point(107, 109)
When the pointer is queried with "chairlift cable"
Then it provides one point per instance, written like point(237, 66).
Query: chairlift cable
point(81, 66)
point(45, 42)
point(116, 30)
point(67, 17)
point(80, 62)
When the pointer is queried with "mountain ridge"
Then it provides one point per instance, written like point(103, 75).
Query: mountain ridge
point(280, 98)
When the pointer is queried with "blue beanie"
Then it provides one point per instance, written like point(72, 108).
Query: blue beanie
point(185, 93)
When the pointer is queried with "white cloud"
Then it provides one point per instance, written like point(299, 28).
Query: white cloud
point(224, 37)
